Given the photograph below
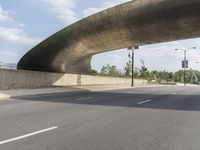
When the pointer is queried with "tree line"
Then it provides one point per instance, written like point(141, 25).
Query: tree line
point(192, 76)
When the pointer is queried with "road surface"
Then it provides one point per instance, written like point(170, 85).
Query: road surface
point(159, 118)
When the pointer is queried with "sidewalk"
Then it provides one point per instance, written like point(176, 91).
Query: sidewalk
point(4, 94)
point(120, 86)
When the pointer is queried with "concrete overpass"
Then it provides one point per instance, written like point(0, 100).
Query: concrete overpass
point(138, 22)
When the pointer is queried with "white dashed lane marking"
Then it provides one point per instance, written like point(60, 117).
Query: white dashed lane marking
point(143, 102)
point(84, 98)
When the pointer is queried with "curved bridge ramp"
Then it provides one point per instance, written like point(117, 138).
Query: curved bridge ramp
point(138, 22)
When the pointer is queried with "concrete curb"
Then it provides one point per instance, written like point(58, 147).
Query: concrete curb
point(34, 92)
point(46, 91)
point(6, 94)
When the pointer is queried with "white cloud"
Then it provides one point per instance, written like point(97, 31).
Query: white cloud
point(4, 15)
point(157, 56)
point(19, 24)
point(163, 56)
point(105, 5)
point(8, 53)
point(167, 50)
point(17, 35)
point(64, 10)
point(115, 58)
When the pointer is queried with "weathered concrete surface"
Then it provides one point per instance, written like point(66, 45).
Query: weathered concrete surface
point(12, 79)
point(137, 22)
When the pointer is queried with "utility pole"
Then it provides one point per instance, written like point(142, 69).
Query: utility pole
point(132, 56)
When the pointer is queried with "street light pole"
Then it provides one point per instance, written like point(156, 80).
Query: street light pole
point(132, 49)
point(185, 61)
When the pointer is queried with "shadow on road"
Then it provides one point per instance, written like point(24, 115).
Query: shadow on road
point(186, 102)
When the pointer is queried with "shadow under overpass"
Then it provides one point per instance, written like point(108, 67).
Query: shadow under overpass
point(183, 101)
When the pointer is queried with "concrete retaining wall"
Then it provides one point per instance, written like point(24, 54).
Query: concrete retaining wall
point(12, 79)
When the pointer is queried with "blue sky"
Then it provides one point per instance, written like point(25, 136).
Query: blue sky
point(25, 23)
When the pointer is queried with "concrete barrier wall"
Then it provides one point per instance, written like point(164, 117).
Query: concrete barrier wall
point(11, 79)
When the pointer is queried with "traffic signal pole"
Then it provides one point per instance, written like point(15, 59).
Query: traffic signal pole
point(185, 67)
point(133, 63)
point(185, 63)
point(132, 50)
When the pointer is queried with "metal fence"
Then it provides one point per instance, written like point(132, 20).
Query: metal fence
point(8, 67)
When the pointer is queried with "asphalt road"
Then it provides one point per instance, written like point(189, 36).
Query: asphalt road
point(161, 118)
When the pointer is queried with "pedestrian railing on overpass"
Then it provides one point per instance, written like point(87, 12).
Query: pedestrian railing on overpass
point(8, 67)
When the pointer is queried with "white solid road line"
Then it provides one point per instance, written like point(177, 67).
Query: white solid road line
point(84, 98)
point(144, 102)
point(27, 135)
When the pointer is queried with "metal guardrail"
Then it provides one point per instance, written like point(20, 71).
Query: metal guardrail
point(8, 67)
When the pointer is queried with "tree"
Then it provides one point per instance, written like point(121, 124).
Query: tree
point(94, 72)
point(112, 71)
point(128, 69)
point(143, 72)
point(192, 76)
point(104, 70)
point(109, 71)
